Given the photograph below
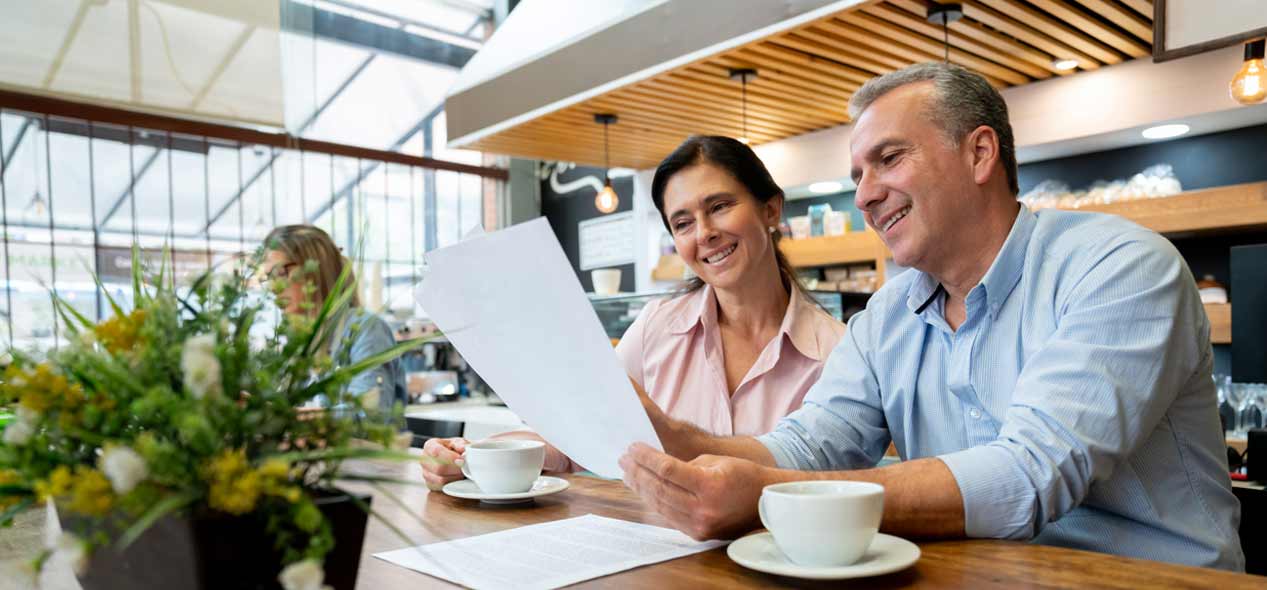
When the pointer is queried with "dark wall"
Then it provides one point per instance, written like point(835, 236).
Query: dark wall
point(565, 211)
point(1204, 161)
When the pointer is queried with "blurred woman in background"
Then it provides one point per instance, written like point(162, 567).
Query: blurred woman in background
point(308, 263)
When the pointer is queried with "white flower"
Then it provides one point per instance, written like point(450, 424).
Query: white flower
point(18, 433)
point(303, 575)
point(123, 467)
point(200, 367)
point(72, 551)
point(27, 415)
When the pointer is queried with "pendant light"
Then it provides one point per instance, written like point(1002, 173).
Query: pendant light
point(743, 75)
point(606, 200)
point(1249, 86)
point(944, 14)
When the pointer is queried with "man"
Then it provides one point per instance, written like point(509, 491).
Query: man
point(1044, 376)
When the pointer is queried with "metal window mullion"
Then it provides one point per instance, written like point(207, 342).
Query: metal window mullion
point(52, 248)
point(206, 194)
point(4, 224)
point(171, 211)
point(96, 231)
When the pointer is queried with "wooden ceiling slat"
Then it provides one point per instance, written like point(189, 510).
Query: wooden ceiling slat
point(848, 33)
point(693, 115)
point(755, 99)
point(978, 32)
point(919, 25)
point(827, 66)
point(807, 70)
point(1129, 21)
point(1143, 7)
point(833, 41)
point(771, 82)
point(935, 48)
point(667, 123)
point(799, 43)
point(704, 88)
point(730, 108)
point(1055, 29)
point(576, 135)
point(1072, 15)
point(1023, 32)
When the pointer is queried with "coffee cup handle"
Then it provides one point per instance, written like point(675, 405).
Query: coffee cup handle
point(466, 472)
point(761, 511)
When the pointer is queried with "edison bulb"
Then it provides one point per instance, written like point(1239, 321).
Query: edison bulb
point(606, 200)
point(1250, 84)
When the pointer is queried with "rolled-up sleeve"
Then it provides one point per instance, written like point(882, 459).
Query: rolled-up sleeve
point(841, 422)
point(1130, 333)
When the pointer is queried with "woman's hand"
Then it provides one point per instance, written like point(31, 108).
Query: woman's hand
point(442, 461)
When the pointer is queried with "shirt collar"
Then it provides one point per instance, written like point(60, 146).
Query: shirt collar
point(798, 321)
point(1005, 272)
point(1003, 275)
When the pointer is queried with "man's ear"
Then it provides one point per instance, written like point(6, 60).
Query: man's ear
point(982, 147)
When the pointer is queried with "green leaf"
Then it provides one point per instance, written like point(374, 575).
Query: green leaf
point(83, 321)
point(138, 290)
point(8, 515)
point(162, 508)
point(114, 305)
point(368, 362)
point(343, 453)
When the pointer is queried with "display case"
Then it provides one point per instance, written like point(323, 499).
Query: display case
point(618, 312)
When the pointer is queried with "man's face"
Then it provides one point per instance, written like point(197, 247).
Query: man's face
point(911, 179)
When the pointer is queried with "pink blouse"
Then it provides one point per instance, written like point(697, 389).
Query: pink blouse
point(674, 351)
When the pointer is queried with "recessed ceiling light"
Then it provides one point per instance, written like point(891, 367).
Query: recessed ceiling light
point(822, 188)
point(1065, 65)
point(1165, 131)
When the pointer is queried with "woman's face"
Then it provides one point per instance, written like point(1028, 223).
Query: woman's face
point(721, 231)
point(280, 268)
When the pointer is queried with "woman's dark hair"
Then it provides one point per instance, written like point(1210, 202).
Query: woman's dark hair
point(742, 164)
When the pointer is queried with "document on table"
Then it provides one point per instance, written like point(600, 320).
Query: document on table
point(513, 307)
point(549, 555)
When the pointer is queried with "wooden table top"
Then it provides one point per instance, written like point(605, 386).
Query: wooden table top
point(976, 564)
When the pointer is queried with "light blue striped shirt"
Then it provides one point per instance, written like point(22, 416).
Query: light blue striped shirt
point(1074, 406)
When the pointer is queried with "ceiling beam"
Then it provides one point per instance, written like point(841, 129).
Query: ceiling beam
point(75, 24)
point(372, 36)
point(238, 43)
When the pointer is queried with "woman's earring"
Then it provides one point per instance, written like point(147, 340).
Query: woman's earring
point(771, 228)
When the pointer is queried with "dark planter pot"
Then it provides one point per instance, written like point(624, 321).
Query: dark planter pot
point(205, 552)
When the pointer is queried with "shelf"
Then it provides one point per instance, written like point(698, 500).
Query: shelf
point(1221, 209)
point(851, 248)
point(1220, 315)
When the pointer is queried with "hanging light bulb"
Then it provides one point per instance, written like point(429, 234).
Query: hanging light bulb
point(606, 200)
point(1249, 86)
point(944, 14)
point(38, 206)
point(743, 74)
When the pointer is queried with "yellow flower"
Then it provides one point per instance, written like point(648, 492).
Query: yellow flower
point(275, 479)
point(7, 477)
point(235, 487)
point(56, 484)
point(274, 469)
point(90, 493)
point(120, 333)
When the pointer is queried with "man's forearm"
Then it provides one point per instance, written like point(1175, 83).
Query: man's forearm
point(921, 497)
point(686, 442)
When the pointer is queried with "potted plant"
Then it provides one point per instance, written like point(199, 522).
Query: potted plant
point(170, 438)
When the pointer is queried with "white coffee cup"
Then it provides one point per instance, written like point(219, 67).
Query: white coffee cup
point(822, 523)
point(606, 281)
point(504, 466)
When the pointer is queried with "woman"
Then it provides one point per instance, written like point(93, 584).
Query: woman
point(739, 347)
point(310, 263)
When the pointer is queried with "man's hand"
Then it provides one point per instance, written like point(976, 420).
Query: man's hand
point(710, 497)
point(441, 461)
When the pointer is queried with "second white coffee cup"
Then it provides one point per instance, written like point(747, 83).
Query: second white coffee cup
point(822, 523)
point(504, 466)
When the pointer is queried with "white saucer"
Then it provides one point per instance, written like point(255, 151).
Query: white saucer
point(887, 554)
point(544, 486)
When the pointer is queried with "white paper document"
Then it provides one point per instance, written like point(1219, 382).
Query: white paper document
point(513, 307)
point(549, 555)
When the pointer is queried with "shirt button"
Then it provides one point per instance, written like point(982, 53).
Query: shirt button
point(975, 413)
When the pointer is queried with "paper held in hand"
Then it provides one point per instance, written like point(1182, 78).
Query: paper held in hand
point(514, 308)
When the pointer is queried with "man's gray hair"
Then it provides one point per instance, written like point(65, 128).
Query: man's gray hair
point(962, 101)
